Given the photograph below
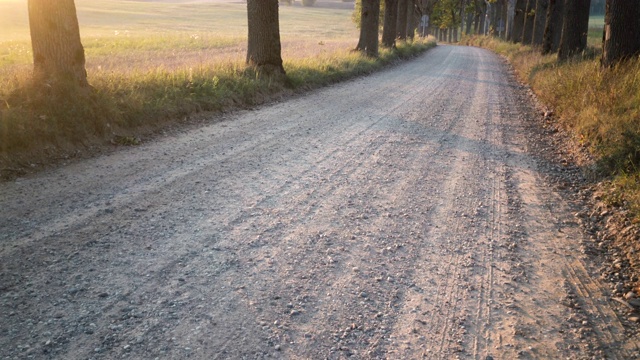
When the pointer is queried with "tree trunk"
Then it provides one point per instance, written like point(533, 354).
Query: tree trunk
point(390, 23)
point(483, 18)
point(553, 27)
point(264, 50)
point(401, 26)
point(503, 18)
point(511, 11)
point(540, 21)
point(58, 54)
point(469, 23)
point(411, 19)
point(621, 32)
point(529, 18)
point(369, 24)
point(575, 28)
point(518, 20)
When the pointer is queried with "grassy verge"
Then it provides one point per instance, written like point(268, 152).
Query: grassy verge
point(32, 118)
point(601, 108)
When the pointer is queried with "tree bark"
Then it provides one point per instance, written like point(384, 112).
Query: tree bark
point(58, 54)
point(390, 23)
point(553, 27)
point(411, 19)
point(264, 49)
point(401, 26)
point(621, 32)
point(511, 11)
point(527, 32)
point(469, 23)
point(482, 11)
point(518, 20)
point(540, 21)
point(369, 24)
point(575, 28)
point(503, 18)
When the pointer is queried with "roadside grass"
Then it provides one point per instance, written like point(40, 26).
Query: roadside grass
point(152, 62)
point(142, 80)
point(600, 107)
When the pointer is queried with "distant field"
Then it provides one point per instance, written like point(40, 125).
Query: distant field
point(596, 21)
point(596, 26)
point(122, 35)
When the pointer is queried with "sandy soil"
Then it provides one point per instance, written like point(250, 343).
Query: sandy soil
point(402, 215)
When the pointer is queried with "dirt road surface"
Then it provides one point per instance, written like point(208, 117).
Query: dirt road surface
point(396, 216)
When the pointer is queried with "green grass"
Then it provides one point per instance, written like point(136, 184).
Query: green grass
point(600, 107)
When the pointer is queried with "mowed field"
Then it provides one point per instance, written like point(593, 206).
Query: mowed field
point(140, 35)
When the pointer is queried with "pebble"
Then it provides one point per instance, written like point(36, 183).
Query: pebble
point(634, 302)
point(635, 319)
point(277, 347)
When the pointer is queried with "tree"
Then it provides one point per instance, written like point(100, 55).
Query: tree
point(401, 24)
point(518, 20)
point(540, 21)
point(390, 23)
point(413, 17)
point(575, 28)
point(481, 10)
point(621, 31)
point(553, 27)
point(264, 49)
point(369, 24)
point(511, 11)
point(527, 32)
point(58, 54)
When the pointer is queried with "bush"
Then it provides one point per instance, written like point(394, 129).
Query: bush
point(308, 2)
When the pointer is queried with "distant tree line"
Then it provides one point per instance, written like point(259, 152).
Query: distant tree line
point(554, 26)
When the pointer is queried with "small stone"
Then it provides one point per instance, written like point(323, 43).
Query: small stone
point(294, 312)
point(630, 295)
point(364, 295)
point(634, 302)
point(355, 269)
point(103, 295)
point(277, 347)
point(635, 319)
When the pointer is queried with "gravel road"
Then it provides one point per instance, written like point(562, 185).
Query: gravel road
point(396, 216)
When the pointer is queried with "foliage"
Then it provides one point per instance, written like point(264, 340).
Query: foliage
point(600, 106)
point(446, 14)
